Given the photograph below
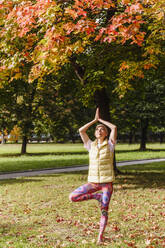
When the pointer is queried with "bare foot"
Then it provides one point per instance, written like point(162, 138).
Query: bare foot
point(100, 239)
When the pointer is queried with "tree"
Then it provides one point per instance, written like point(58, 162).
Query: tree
point(19, 101)
point(143, 107)
point(46, 35)
point(15, 134)
point(52, 31)
point(49, 34)
point(7, 120)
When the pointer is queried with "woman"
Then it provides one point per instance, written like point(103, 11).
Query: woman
point(101, 171)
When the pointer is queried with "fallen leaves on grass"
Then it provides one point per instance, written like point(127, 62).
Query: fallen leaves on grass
point(47, 219)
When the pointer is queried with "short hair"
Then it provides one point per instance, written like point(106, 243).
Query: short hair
point(102, 125)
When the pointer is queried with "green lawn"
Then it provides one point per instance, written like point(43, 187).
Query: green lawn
point(36, 213)
point(41, 156)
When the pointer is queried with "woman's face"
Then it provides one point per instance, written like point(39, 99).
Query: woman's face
point(100, 132)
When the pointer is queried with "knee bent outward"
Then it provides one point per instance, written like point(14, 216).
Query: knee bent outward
point(72, 197)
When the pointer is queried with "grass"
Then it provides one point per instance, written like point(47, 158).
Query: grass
point(42, 149)
point(40, 156)
point(40, 162)
point(35, 212)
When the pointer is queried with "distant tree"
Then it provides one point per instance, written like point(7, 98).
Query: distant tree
point(7, 120)
point(15, 134)
point(143, 108)
point(18, 101)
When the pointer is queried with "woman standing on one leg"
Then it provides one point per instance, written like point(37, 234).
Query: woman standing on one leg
point(101, 171)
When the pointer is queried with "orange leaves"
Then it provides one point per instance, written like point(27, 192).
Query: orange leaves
point(53, 37)
point(125, 2)
point(60, 31)
point(94, 4)
point(23, 16)
point(124, 26)
point(124, 66)
point(134, 8)
point(26, 14)
point(101, 32)
point(148, 66)
point(72, 13)
point(121, 27)
point(128, 27)
point(75, 13)
point(85, 26)
point(7, 5)
point(68, 27)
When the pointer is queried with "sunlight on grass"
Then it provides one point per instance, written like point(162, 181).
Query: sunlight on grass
point(65, 148)
point(40, 156)
point(36, 212)
point(40, 162)
point(42, 148)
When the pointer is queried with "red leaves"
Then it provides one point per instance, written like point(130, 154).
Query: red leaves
point(26, 17)
point(131, 31)
point(130, 243)
point(62, 31)
point(94, 5)
point(115, 228)
point(134, 8)
point(101, 31)
point(72, 13)
point(116, 27)
point(59, 219)
point(162, 214)
point(26, 14)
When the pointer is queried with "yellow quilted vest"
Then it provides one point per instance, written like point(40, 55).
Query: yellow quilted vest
point(100, 163)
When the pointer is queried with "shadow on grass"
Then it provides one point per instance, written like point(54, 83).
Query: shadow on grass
point(74, 153)
point(132, 177)
point(42, 154)
point(130, 180)
point(138, 150)
point(8, 155)
point(136, 180)
point(19, 181)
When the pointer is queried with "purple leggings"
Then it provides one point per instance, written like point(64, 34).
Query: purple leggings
point(87, 192)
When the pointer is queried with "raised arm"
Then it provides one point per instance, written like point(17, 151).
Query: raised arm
point(113, 128)
point(83, 129)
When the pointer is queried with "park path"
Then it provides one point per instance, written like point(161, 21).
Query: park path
point(69, 169)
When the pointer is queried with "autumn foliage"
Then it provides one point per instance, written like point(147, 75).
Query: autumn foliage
point(38, 37)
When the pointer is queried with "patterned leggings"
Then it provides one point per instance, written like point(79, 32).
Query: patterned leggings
point(86, 192)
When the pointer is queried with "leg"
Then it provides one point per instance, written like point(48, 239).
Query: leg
point(107, 190)
point(85, 192)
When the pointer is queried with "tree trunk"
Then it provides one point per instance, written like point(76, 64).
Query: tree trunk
point(144, 128)
point(161, 137)
point(24, 144)
point(102, 101)
point(132, 136)
point(100, 96)
point(71, 134)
